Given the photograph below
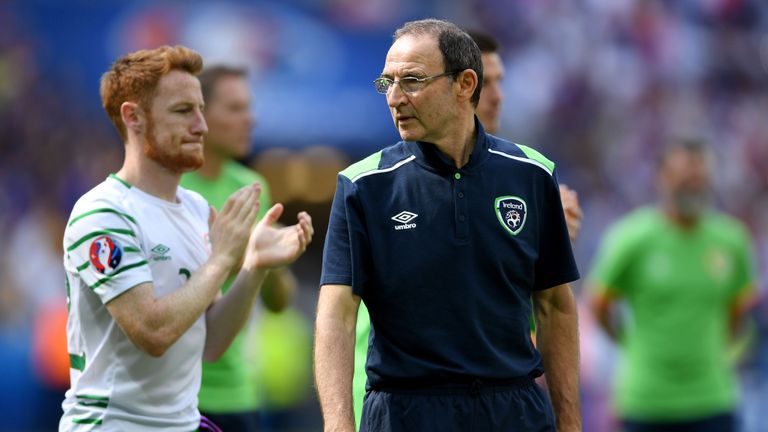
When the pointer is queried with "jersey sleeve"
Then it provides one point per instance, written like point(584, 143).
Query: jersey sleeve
point(337, 254)
point(744, 271)
point(102, 247)
point(345, 255)
point(556, 264)
point(612, 262)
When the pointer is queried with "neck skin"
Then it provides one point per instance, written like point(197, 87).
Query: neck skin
point(144, 173)
point(214, 161)
point(682, 221)
point(459, 140)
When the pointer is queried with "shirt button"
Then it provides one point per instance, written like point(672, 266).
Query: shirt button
point(461, 194)
point(457, 176)
point(461, 218)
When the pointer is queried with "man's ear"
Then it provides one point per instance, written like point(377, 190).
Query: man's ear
point(133, 116)
point(467, 80)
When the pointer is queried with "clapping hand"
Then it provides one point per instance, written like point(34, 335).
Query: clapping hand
point(270, 246)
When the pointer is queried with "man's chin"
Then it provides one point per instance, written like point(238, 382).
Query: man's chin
point(409, 134)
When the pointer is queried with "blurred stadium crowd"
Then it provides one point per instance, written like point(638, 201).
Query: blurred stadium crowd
point(596, 85)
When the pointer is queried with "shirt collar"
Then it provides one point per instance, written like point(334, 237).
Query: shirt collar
point(428, 154)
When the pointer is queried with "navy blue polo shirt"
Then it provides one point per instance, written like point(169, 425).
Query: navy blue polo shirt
point(446, 259)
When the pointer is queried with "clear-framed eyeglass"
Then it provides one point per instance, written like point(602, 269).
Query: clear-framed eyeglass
point(407, 84)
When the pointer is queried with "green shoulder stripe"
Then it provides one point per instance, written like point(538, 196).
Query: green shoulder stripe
point(89, 236)
point(368, 164)
point(538, 157)
point(102, 210)
point(120, 270)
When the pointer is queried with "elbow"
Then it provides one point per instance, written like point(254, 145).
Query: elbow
point(155, 343)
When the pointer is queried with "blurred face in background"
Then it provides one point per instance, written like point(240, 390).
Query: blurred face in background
point(489, 107)
point(228, 113)
point(175, 123)
point(685, 181)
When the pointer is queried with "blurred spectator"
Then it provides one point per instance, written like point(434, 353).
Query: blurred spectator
point(228, 393)
point(686, 275)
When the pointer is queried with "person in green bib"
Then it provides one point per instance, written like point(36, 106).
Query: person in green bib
point(228, 393)
point(685, 273)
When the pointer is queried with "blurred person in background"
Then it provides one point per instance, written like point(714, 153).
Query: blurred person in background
point(488, 112)
point(146, 259)
point(685, 273)
point(228, 393)
point(446, 352)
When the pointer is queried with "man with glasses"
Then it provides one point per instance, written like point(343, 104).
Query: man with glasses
point(446, 236)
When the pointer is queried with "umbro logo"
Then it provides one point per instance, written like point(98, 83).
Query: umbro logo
point(159, 252)
point(404, 217)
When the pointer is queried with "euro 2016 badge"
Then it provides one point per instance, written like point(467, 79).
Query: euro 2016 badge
point(511, 212)
point(105, 254)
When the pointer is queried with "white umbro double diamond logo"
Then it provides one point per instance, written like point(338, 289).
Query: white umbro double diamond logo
point(404, 217)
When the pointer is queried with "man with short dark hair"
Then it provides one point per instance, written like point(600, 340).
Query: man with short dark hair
point(446, 236)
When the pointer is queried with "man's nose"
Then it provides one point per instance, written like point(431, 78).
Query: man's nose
point(200, 126)
point(396, 96)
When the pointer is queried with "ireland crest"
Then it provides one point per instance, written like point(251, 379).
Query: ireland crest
point(511, 212)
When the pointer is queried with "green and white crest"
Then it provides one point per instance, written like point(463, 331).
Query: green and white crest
point(511, 211)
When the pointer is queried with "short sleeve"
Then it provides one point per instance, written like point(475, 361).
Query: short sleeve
point(555, 264)
point(612, 262)
point(744, 271)
point(337, 254)
point(101, 245)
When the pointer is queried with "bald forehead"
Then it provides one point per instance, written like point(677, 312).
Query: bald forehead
point(414, 53)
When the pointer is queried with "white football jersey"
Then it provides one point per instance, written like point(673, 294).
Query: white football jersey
point(118, 237)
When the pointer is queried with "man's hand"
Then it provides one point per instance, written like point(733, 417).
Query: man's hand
point(231, 228)
point(573, 214)
point(270, 246)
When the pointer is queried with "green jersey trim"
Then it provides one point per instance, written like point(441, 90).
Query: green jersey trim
point(102, 210)
point(370, 163)
point(77, 362)
point(538, 157)
point(366, 167)
point(87, 421)
point(125, 183)
point(87, 237)
point(120, 270)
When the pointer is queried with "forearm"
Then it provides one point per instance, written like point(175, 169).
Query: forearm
point(154, 324)
point(558, 342)
point(229, 313)
point(334, 363)
point(602, 305)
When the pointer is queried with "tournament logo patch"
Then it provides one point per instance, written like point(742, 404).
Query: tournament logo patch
point(105, 254)
point(511, 212)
